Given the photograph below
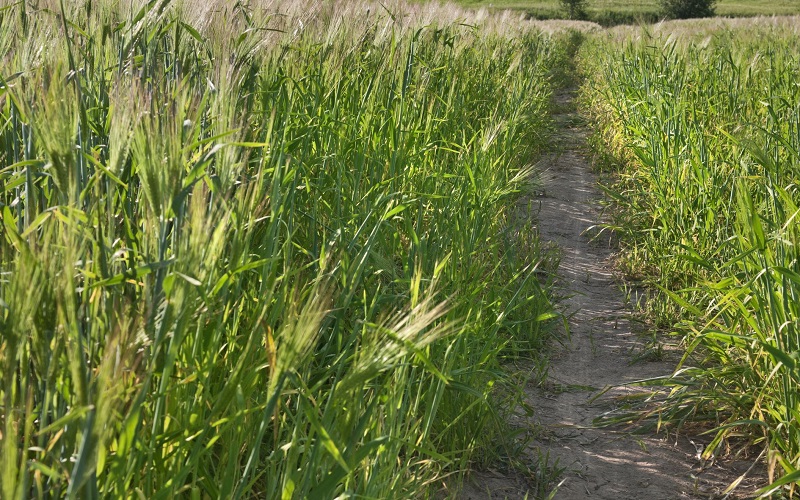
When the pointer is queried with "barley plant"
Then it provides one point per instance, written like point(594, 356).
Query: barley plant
point(256, 249)
point(706, 134)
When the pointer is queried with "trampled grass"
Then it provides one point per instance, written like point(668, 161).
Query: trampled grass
point(704, 127)
point(255, 249)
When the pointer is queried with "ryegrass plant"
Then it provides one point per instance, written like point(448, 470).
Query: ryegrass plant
point(706, 135)
point(255, 249)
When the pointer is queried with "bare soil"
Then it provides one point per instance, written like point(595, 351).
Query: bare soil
point(604, 352)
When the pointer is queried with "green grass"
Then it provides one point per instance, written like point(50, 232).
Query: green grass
point(254, 251)
point(272, 250)
point(611, 12)
point(702, 124)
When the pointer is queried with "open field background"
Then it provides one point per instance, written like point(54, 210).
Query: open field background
point(611, 12)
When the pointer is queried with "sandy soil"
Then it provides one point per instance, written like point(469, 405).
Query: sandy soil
point(603, 351)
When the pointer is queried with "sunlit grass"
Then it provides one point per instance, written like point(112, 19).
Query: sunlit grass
point(256, 249)
point(702, 122)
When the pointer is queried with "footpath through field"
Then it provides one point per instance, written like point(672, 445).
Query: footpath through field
point(603, 351)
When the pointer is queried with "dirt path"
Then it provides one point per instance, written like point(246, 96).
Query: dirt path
point(603, 351)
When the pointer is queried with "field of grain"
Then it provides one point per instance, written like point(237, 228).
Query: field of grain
point(266, 249)
point(263, 249)
point(701, 123)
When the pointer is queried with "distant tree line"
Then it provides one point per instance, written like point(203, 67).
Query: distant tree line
point(671, 9)
point(685, 9)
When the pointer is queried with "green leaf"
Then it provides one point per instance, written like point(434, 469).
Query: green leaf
point(325, 438)
point(193, 32)
point(396, 210)
point(189, 279)
point(788, 273)
point(779, 355)
point(136, 273)
point(72, 415)
point(38, 221)
point(748, 208)
point(546, 316)
point(680, 301)
point(327, 487)
point(788, 478)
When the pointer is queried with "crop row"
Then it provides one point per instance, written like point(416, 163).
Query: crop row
point(705, 131)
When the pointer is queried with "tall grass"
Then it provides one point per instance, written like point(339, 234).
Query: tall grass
point(705, 131)
point(255, 249)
